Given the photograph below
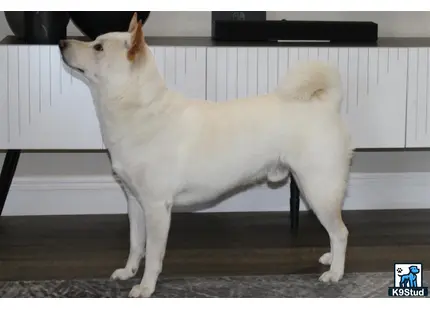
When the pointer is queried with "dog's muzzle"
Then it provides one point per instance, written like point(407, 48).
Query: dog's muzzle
point(63, 45)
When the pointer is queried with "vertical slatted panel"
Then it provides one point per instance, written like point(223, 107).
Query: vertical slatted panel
point(362, 75)
point(343, 67)
point(323, 54)
point(13, 92)
point(303, 55)
point(413, 74)
point(169, 67)
point(313, 53)
point(45, 78)
point(159, 54)
point(373, 65)
point(180, 69)
point(196, 72)
point(418, 110)
point(242, 72)
point(211, 68)
point(283, 63)
point(333, 57)
point(221, 74)
point(56, 77)
point(252, 78)
point(352, 98)
point(420, 117)
point(34, 85)
point(293, 56)
point(23, 89)
point(4, 100)
point(397, 76)
point(273, 65)
point(232, 76)
point(427, 108)
point(262, 70)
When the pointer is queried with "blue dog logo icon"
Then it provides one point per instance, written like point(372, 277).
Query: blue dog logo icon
point(409, 279)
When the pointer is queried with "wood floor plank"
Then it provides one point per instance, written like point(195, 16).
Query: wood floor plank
point(67, 247)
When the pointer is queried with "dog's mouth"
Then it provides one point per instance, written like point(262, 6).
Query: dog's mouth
point(78, 69)
point(73, 67)
point(70, 66)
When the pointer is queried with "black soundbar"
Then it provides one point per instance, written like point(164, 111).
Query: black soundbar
point(283, 30)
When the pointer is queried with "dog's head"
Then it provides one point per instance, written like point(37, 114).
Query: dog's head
point(414, 269)
point(109, 55)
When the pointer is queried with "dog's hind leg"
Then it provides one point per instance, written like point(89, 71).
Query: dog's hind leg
point(136, 218)
point(324, 190)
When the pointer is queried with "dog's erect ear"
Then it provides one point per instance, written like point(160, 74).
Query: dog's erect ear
point(137, 42)
point(133, 23)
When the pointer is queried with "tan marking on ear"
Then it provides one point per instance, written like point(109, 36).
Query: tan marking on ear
point(137, 42)
point(133, 23)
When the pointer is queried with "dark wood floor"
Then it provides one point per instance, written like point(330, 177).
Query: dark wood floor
point(64, 247)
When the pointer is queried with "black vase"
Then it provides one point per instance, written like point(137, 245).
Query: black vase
point(45, 27)
point(15, 20)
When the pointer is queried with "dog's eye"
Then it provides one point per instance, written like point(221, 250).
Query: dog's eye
point(98, 47)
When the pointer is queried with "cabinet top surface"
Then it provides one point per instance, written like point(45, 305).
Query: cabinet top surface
point(208, 42)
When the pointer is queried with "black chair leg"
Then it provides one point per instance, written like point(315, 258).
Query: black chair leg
point(7, 173)
point(294, 206)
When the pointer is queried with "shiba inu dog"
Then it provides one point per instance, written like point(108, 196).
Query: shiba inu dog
point(170, 150)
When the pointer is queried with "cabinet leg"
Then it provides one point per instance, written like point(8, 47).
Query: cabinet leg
point(7, 173)
point(294, 206)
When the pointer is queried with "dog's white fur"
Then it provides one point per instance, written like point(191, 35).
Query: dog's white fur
point(169, 150)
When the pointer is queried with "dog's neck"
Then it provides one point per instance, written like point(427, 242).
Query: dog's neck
point(140, 85)
point(140, 98)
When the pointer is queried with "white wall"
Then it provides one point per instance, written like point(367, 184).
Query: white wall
point(198, 24)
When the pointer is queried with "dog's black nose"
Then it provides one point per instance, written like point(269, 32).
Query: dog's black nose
point(62, 44)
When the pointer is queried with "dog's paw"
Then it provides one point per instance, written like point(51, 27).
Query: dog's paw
point(122, 274)
point(326, 259)
point(139, 291)
point(331, 276)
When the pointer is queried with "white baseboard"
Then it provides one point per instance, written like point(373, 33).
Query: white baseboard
point(65, 195)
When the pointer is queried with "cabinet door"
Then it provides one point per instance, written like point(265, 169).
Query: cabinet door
point(374, 84)
point(418, 111)
point(43, 105)
point(48, 107)
point(375, 89)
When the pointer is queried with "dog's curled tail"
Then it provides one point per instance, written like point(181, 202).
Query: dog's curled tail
point(312, 80)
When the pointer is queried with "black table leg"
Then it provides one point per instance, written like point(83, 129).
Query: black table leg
point(294, 206)
point(7, 173)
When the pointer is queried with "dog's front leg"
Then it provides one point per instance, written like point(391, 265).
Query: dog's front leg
point(157, 217)
point(137, 239)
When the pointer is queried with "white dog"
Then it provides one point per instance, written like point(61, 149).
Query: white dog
point(169, 150)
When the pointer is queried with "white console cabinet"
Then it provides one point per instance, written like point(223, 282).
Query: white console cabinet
point(386, 89)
